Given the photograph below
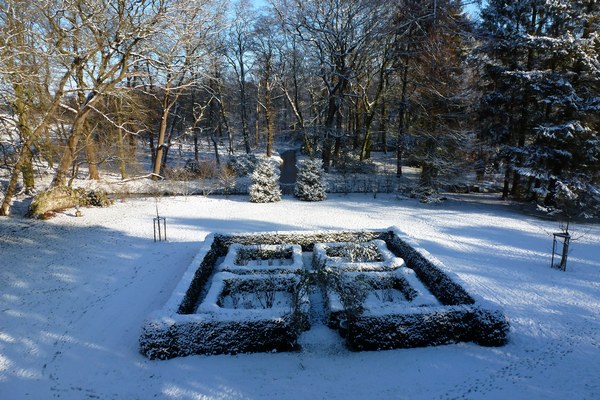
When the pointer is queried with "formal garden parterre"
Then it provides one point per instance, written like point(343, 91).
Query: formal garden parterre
point(381, 290)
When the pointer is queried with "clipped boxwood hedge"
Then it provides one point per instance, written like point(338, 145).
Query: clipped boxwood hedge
point(461, 318)
point(177, 330)
point(427, 327)
point(163, 339)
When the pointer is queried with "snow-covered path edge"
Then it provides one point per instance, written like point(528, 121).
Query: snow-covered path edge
point(75, 291)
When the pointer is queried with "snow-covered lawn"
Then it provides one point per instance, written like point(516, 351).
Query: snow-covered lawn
point(74, 293)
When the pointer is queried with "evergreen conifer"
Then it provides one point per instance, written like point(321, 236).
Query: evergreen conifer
point(265, 183)
point(309, 183)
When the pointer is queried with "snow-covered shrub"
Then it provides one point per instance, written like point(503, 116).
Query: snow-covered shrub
point(202, 169)
point(350, 163)
point(356, 252)
point(178, 174)
point(426, 194)
point(226, 179)
point(306, 240)
point(350, 294)
point(309, 182)
point(243, 164)
point(202, 269)
point(265, 184)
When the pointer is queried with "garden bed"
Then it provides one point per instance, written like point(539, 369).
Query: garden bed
point(251, 297)
point(376, 293)
point(371, 255)
point(257, 258)
point(411, 298)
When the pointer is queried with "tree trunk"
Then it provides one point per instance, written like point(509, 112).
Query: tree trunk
point(215, 147)
point(160, 144)
point(244, 108)
point(196, 153)
point(337, 147)
point(256, 119)
point(223, 119)
point(66, 162)
point(41, 127)
point(383, 126)
point(365, 152)
point(366, 147)
point(401, 119)
point(121, 154)
point(170, 137)
point(27, 170)
point(326, 156)
point(269, 123)
point(90, 152)
point(356, 126)
point(505, 189)
point(12, 183)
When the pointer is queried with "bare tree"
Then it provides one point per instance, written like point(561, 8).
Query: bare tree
point(102, 35)
point(293, 79)
point(28, 52)
point(371, 83)
point(335, 33)
point(265, 47)
point(177, 57)
point(237, 48)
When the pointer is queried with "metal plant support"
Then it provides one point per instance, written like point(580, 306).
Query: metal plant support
point(162, 233)
point(156, 222)
point(560, 250)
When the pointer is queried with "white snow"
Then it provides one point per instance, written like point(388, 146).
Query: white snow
point(230, 263)
point(74, 293)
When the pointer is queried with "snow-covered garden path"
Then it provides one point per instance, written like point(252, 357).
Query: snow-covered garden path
point(75, 291)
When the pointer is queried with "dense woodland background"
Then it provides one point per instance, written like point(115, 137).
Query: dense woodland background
point(511, 94)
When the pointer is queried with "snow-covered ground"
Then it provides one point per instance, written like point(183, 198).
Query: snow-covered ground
point(74, 293)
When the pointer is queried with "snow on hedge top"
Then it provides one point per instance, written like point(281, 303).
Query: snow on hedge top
point(245, 259)
point(395, 292)
point(250, 297)
point(372, 255)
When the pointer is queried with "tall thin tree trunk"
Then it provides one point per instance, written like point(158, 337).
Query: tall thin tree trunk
point(244, 108)
point(90, 152)
point(269, 121)
point(256, 119)
point(226, 123)
point(401, 119)
point(121, 152)
point(215, 146)
point(160, 144)
point(196, 152)
point(170, 136)
point(505, 189)
point(366, 147)
point(383, 125)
